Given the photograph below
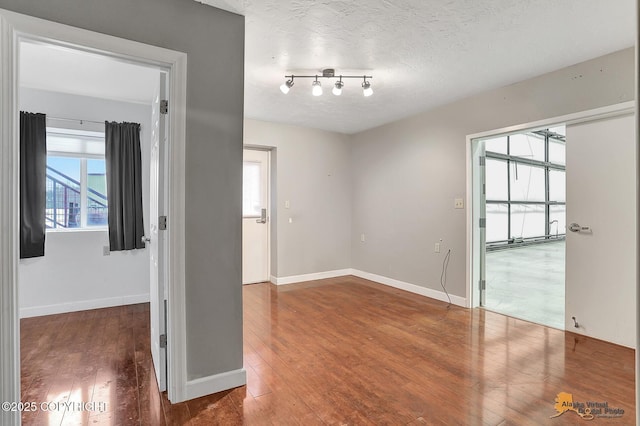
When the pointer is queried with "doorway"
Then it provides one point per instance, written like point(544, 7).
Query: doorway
point(256, 177)
point(16, 30)
point(524, 200)
point(78, 91)
point(600, 236)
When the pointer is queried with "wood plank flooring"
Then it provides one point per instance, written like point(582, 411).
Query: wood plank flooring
point(342, 351)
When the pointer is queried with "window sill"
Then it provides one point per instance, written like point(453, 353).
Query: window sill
point(72, 230)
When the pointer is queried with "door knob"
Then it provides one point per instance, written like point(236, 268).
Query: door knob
point(145, 239)
point(574, 227)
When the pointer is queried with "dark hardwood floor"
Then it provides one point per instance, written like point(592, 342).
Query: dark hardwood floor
point(337, 351)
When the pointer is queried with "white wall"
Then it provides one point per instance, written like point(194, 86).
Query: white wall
point(74, 274)
point(312, 173)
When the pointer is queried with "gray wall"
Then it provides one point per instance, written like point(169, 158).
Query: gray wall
point(406, 174)
point(312, 173)
point(214, 42)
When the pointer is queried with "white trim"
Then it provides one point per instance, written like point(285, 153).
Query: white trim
point(391, 282)
point(9, 322)
point(175, 238)
point(273, 279)
point(82, 305)
point(216, 383)
point(609, 111)
point(17, 27)
point(411, 288)
point(293, 279)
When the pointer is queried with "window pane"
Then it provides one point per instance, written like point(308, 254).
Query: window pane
point(498, 145)
point(527, 220)
point(558, 213)
point(251, 196)
point(527, 183)
point(557, 151)
point(497, 222)
point(63, 192)
point(557, 185)
point(527, 146)
point(496, 180)
point(96, 193)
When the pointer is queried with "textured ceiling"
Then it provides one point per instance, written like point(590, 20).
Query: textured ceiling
point(421, 53)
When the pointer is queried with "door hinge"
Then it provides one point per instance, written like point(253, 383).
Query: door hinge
point(162, 223)
point(483, 285)
point(164, 106)
point(483, 222)
point(163, 340)
point(482, 160)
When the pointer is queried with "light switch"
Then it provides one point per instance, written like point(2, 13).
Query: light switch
point(290, 220)
point(287, 204)
point(458, 203)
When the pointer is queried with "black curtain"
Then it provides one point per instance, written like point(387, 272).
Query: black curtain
point(33, 182)
point(124, 185)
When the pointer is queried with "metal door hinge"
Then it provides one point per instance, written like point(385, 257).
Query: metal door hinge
point(483, 222)
point(483, 285)
point(163, 340)
point(162, 223)
point(482, 160)
point(164, 106)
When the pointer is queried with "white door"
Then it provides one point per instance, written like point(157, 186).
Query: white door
point(156, 245)
point(601, 252)
point(255, 217)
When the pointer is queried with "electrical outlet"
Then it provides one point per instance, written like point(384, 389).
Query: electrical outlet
point(458, 203)
point(106, 251)
point(436, 249)
point(362, 238)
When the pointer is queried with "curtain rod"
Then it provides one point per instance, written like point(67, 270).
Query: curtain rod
point(74, 119)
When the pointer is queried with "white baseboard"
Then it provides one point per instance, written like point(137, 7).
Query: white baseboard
point(412, 288)
point(310, 277)
point(82, 305)
point(216, 383)
point(273, 279)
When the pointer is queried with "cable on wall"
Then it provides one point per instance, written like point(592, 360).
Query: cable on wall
point(443, 275)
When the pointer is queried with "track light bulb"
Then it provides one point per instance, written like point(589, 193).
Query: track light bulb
point(316, 88)
point(286, 86)
point(337, 88)
point(366, 88)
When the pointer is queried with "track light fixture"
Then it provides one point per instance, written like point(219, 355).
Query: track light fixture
point(366, 88)
point(286, 86)
point(316, 86)
point(337, 88)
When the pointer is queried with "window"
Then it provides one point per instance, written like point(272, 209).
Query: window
point(525, 187)
point(76, 179)
point(251, 196)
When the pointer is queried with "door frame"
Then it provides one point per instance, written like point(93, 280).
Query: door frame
point(473, 249)
point(14, 28)
point(270, 192)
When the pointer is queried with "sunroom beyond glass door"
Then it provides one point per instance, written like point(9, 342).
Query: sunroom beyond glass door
point(524, 181)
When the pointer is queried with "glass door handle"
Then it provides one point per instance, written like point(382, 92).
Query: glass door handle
point(263, 216)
